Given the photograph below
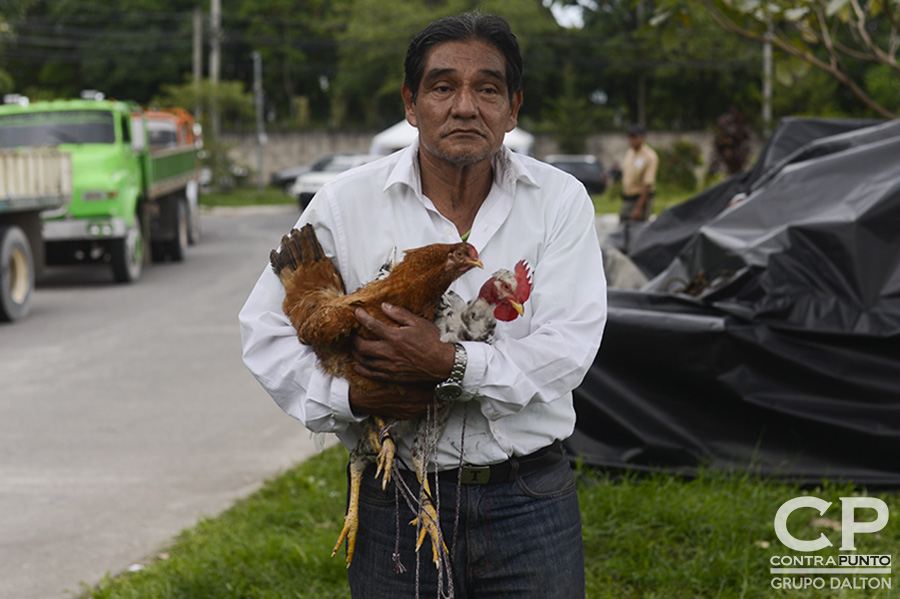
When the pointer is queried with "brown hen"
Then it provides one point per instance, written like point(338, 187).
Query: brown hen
point(316, 303)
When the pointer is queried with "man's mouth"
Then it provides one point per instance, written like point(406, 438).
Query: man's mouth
point(469, 132)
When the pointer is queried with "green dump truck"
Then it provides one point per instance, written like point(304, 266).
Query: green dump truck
point(130, 200)
point(31, 181)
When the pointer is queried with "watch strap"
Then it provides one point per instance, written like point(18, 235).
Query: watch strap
point(451, 387)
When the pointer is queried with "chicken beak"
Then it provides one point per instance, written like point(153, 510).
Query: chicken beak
point(476, 262)
point(517, 307)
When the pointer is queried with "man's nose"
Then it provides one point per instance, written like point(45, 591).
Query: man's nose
point(465, 102)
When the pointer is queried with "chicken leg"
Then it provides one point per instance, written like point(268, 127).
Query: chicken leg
point(374, 446)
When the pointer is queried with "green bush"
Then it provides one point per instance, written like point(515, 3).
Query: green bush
point(677, 164)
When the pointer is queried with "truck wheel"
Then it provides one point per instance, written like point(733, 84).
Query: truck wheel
point(177, 248)
point(192, 193)
point(194, 227)
point(16, 274)
point(128, 254)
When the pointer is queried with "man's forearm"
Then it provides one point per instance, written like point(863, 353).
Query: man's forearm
point(392, 401)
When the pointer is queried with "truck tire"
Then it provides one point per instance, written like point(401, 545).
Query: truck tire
point(127, 254)
point(194, 227)
point(177, 247)
point(16, 274)
point(192, 193)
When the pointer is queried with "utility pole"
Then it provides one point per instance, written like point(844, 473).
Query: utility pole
point(258, 99)
point(215, 65)
point(767, 81)
point(642, 76)
point(198, 61)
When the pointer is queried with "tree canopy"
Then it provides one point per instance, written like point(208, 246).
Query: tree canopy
point(673, 64)
point(854, 42)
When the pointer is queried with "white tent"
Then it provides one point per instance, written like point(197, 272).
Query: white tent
point(402, 134)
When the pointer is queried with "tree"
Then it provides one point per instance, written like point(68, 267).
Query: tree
point(234, 102)
point(683, 72)
point(235, 106)
point(9, 11)
point(373, 46)
point(569, 116)
point(297, 42)
point(121, 49)
point(842, 38)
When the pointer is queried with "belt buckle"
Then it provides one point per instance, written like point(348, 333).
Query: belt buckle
point(475, 475)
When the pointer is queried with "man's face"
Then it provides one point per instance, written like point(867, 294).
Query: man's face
point(635, 141)
point(463, 108)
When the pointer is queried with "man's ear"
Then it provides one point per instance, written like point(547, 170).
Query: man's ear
point(515, 105)
point(409, 104)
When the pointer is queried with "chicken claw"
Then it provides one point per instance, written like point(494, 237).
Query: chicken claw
point(429, 525)
point(384, 445)
point(386, 461)
point(351, 520)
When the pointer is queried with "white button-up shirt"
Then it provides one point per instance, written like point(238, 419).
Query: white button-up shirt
point(518, 389)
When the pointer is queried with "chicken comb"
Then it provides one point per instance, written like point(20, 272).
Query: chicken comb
point(523, 281)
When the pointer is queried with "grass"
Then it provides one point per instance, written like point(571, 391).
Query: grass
point(246, 196)
point(654, 536)
point(610, 202)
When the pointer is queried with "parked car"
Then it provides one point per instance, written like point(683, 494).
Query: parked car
point(584, 167)
point(307, 184)
point(286, 177)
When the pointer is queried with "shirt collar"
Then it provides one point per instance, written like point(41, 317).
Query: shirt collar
point(508, 170)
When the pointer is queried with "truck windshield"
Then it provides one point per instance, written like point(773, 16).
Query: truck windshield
point(52, 128)
point(162, 133)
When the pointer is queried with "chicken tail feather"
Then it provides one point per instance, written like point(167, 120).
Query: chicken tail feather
point(310, 279)
point(299, 248)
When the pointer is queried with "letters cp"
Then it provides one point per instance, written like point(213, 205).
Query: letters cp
point(849, 525)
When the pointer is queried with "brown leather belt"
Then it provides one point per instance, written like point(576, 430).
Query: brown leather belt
point(508, 470)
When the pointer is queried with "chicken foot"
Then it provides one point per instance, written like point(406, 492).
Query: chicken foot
point(384, 445)
point(358, 464)
point(372, 443)
point(427, 520)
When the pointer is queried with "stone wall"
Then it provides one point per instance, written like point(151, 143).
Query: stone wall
point(300, 147)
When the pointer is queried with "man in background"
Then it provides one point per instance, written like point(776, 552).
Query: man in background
point(638, 177)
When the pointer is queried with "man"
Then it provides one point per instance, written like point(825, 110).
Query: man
point(638, 177)
point(519, 532)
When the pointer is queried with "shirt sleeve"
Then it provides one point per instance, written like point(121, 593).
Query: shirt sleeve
point(285, 368)
point(569, 303)
point(650, 170)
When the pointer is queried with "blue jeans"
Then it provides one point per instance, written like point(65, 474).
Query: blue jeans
point(518, 539)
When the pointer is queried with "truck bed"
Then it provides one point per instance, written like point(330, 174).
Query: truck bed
point(170, 169)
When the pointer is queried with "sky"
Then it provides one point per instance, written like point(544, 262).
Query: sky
point(566, 15)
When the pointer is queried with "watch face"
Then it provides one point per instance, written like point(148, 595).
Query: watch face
point(448, 392)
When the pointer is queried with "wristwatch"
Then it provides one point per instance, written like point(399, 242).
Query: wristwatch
point(451, 388)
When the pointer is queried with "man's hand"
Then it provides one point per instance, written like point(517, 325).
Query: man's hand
point(637, 214)
point(409, 353)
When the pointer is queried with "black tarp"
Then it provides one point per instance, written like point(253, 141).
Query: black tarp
point(768, 336)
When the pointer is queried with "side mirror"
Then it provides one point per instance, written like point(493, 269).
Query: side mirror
point(138, 133)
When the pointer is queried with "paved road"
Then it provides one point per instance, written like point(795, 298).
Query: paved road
point(126, 413)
